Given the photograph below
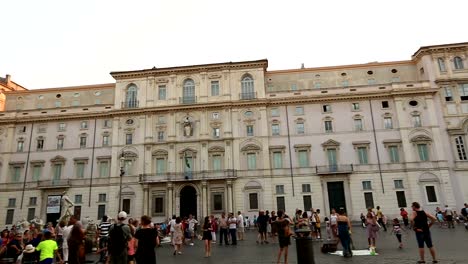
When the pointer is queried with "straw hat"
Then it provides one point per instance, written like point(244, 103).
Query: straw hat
point(29, 249)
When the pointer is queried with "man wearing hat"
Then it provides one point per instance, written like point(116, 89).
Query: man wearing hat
point(119, 235)
point(29, 255)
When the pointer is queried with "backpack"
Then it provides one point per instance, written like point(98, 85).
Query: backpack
point(117, 240)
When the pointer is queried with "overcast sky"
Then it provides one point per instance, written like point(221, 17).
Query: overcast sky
point(65, 43)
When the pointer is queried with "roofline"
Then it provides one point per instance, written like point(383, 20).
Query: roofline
point(349, 66)
point(450, 45)
point(200, 67)
point(67, 88)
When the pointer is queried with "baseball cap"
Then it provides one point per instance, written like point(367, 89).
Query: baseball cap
point(122, 215)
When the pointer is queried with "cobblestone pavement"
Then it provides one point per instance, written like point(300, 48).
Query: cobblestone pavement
point(451, 246)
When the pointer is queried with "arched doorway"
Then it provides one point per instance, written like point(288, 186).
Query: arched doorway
point(188, 201)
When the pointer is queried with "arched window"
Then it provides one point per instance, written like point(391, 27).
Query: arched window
point(441, 63)
point(458, 62)
point(248, 90)
point(188, 93)
point(131, 96)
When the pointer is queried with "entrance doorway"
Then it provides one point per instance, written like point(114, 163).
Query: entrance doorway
point(336, 195)
point(188, 201)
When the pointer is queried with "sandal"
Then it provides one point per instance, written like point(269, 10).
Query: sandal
point(421, 261)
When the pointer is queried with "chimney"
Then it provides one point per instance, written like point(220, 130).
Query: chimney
point(8, 78)
point(302, 66)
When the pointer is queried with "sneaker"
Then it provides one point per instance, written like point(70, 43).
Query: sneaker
point(191, 244)
point(180, 253)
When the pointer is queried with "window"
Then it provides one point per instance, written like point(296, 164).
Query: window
point(247, 88)
point(60, 141)
point(128, 166)
point(448, 94)
point(299, 110)
point(31, 213)
point(80, 167)
point(36, 172)
point(57, 172)
point(358, 124)
point(371, 81)
point(162, 92)
point(107, 123)
point(395, 79)
point(458, 63)
point(77, 212)
point(82, 142)
point(105, 140)
point(277, 160)
point(9, 216)
point(401, 198)
point(15, 174)
point(160, 165)
point(281, 204)
point(78, 198)
point(303, 158)
point(300, 128)
point(158, 207)
point(306, 188)
point(58, 104)
point(362, 155)
point(40, 144)
point(416, 120)
point(126, 205)
point(461, 150)
point(398, 184)
point(214, 88)
point(215, 115)
point(431, 194)
point(275, 129)
point(216, 132)
point(369, 200)
point(253, 201)
point(318, 85)
point(104, 168)
point(130, 99)
point(355, 106)
point(62, 126)
point(293, 87)
point(307, 200)
point(161, 119)
point(22, 129)
point(20, 146)
point(12, 202)
point(332, 158)
point(464, 91)
point(279, 189)
point(216, 162)
point(101, 211)
point(160, 136)
point(250, 130)
point(385, 105)
point(441, 63)
point(394, 154)
point(84, 125)
point(388, 124)
point(274, 112)
point(423, 152)
point(32, 202)
point(218, 202)
point(128, 139)
point(326, 108)
point(251, 161)
point(366, 185)
point(328, 126)
point(102, 198)
point(345, 83)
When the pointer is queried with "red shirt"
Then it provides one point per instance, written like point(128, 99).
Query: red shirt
point(404, 214)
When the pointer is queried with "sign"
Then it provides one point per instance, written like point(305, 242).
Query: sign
point(53, 204)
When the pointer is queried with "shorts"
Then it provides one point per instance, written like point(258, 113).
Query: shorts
point(424, 237)
point(46, 261)
point(240, 229)
point(284, 242)
point(449, 218)
point(262, 229)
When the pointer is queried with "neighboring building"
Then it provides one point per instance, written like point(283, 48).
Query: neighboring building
point(7, 85)
point(233, 136)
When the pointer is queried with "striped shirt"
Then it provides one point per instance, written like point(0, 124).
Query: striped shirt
point(104, 229)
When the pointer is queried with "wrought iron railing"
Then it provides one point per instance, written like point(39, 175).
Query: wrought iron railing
point(335, 169)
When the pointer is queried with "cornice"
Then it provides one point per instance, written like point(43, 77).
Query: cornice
point(426, 50)
point(448, 80)
point(68, 88)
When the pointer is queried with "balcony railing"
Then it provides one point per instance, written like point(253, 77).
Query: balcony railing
point(188, 100)
point(248, 96)
point(334, 169)
point(188, 176)
point(51, 184)
point(130, 104)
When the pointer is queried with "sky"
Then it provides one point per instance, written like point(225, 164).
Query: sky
point(56, 43)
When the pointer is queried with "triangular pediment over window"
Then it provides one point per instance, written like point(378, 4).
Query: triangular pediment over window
point(330, 143)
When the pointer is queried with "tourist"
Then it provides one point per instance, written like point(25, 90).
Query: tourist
point(464, 212)
point(223, 229)
point(380, 219)
point(344, 232)
point(284, 233)
point(328, 228)
point(192, 223)
point(207, 237)
point(15, 246)
point(171, 224)
point(232, 221)
point(262, 222)
point(274, 230)
point(404, 216)
point(372, 227)
point(119, 235)
point(48, 249)
point(317, 223)
point(440, 217)
point(178, 236)
point(334, 222)
point(214, 228)
point(66, 231)
point(397, 231)
point(76, 246)
point(240, 225)
point(363, 220)
point(29, 255)
point(146, 240)
point(268, 227)
point(449, 216)
point(419, 222)
point(131, 248)
point(103, 234)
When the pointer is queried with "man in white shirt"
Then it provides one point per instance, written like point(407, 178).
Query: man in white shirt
point(449, 216)
point(232, 221)
point(192, 222)
point(171, 224)
point(240, 225)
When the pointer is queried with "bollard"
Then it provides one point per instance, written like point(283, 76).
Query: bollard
point(304, 247)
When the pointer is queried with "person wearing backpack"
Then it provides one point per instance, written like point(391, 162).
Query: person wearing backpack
point(119, 235)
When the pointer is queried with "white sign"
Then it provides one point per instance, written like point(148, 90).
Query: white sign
point(53, 204)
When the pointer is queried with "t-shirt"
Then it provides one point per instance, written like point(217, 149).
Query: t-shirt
point(262, 220)
point(240, 220)
point(104, 229)
point(379, 214)
point(146, 241)
point(47, 248)
point(232, 223)
point(172, 223)
point(222, 222)
point(192, 223)
point(448, 211)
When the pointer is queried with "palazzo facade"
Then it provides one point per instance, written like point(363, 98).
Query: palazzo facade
point(234, 136)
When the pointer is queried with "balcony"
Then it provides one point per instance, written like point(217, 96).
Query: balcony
point(188, 176)
point(53, 184)
point(334, 169)
point(248, 96)
point(188, 100)
point(130, 104)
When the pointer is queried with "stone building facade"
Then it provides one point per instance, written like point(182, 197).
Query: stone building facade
point(234, 136)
